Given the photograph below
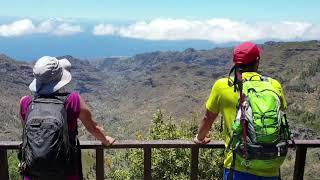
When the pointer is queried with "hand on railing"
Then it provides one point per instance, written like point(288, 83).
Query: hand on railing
point(203, 141)
point(109, 141)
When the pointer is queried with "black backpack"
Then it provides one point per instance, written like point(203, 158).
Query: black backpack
point(45, 148)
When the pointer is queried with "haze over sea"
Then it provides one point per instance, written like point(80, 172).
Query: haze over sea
point(95, 29)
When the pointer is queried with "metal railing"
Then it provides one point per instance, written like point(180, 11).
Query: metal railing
point(147, 146)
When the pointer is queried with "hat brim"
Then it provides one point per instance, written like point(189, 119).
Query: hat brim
point(49, 88)
point(65, 64)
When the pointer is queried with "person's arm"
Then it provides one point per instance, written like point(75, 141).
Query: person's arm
point(92, 126)
point(212, 111)
point(204, 128)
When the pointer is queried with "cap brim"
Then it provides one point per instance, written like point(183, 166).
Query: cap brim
point(51, 87)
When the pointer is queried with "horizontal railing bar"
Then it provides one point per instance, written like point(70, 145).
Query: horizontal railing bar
point(156, 144)
point(10, 144)
point(307, 143)
point(152, 144)
point(130, 144)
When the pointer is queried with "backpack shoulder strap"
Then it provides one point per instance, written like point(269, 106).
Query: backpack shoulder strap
point(62, 96)
point(262, 78)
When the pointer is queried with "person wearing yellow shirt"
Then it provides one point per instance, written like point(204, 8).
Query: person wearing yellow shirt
point(224, 99)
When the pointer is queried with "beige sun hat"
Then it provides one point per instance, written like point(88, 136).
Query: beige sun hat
point(50, 75)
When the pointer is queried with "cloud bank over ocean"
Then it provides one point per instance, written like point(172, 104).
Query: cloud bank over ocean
point(214, 30)
point(26, 27)
point(87, 39)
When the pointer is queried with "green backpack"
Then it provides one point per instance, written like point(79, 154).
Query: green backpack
point(260, 129)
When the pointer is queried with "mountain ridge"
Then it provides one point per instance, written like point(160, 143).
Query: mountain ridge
point(124, 92)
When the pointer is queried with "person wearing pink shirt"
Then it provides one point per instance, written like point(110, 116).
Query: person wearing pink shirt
point(51, 75)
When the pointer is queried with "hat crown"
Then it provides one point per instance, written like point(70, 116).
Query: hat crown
point(47, 69)
point(50, 74)
point(246, 53)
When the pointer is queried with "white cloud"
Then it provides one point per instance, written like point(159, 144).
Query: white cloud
point(51, 26)
point(17, 28)
point(66, 29)
point(215, 30)
point(104, 29)
point(46, 26)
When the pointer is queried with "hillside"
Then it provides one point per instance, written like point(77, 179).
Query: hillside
point(15, 76)
point(125, 92)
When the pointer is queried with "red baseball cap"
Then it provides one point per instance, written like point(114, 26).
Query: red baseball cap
point(246, 53)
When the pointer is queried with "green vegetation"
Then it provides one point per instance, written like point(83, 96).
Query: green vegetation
point(167, 163)
point(13, 165)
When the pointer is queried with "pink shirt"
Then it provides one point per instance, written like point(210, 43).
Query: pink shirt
point(73, 111)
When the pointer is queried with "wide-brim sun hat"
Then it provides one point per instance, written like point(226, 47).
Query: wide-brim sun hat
point(246, 53)
point(50, 75)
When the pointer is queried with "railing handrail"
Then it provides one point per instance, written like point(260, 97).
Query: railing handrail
point(156, 144)
point(147, 145)
point(129, 144)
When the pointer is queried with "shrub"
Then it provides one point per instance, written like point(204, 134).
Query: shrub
point(167, 163)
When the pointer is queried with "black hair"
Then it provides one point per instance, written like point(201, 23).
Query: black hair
point(252, 67)
point(238, 70)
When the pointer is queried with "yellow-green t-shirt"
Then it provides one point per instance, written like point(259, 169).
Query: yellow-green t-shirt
point(224, 100)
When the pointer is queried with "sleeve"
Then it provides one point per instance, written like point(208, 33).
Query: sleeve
point(213, 102)
point(73, 104)
point(24, 107)
point(282, 96)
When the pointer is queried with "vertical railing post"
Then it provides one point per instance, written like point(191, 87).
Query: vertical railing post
point(147, 163)
point(194, 162)
point(300, 162)
point(4, 171)
point(99, 163)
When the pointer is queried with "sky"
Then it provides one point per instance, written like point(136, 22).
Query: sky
point(133, 10)
point(215, 21)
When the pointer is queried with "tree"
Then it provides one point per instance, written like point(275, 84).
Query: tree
point(13, 165)
point(167, 163)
